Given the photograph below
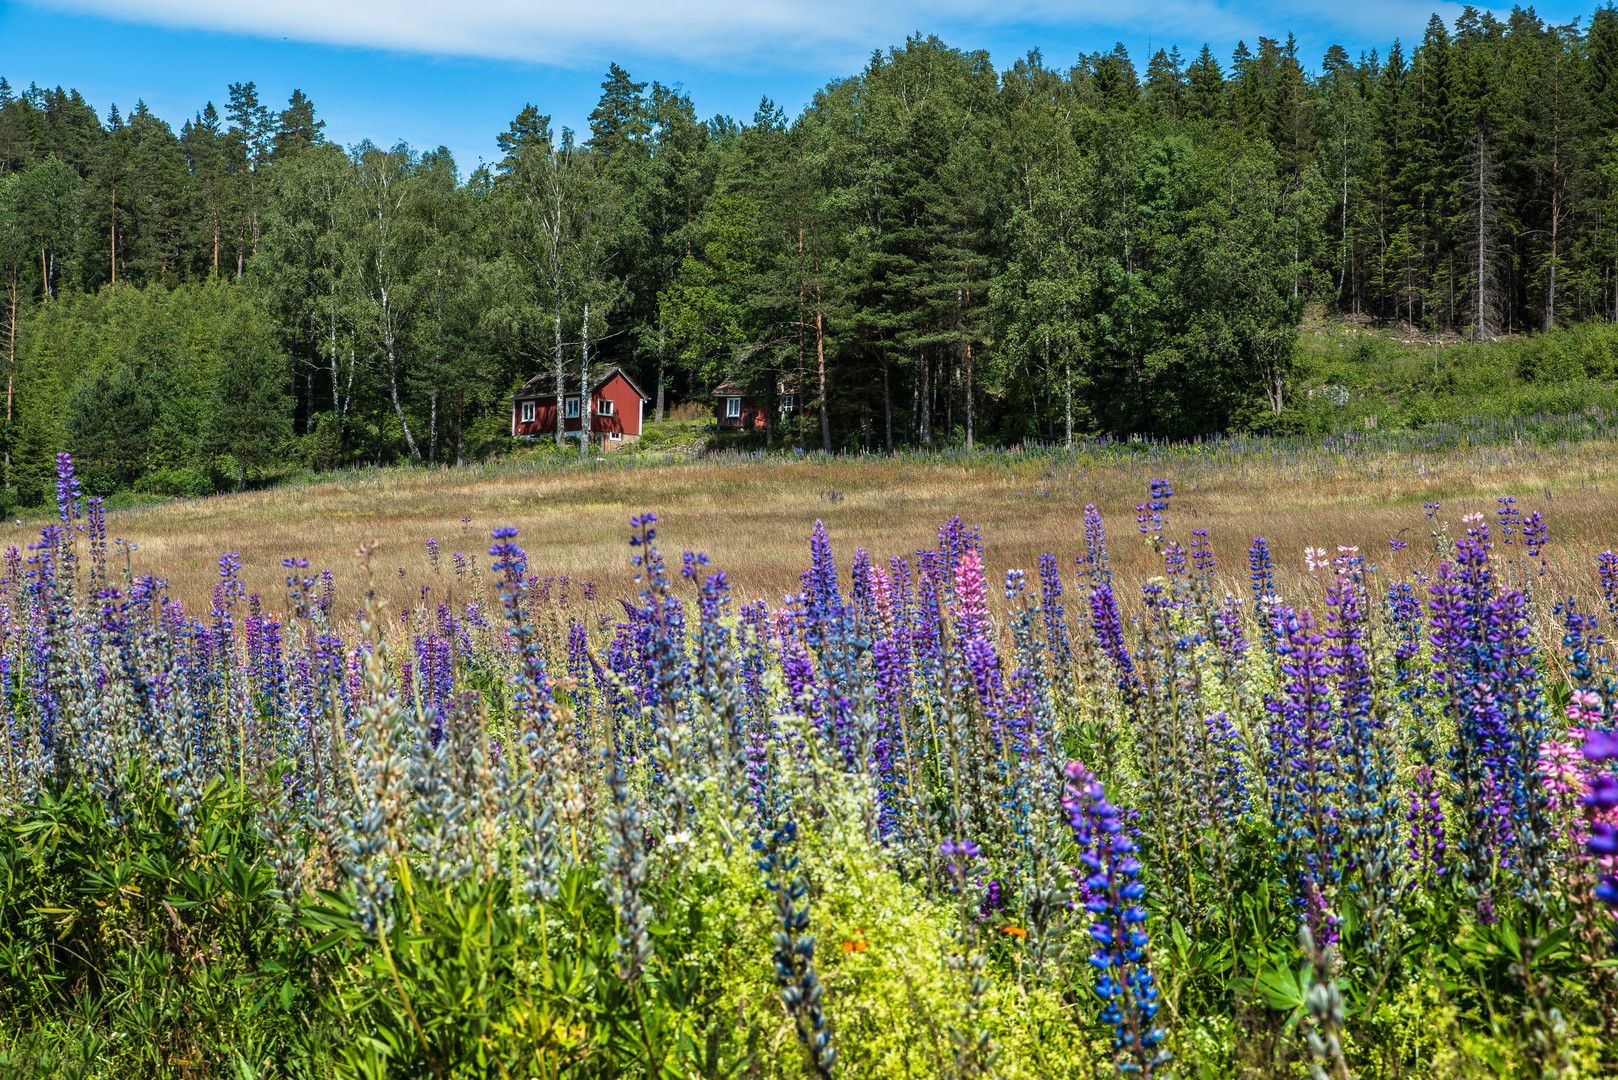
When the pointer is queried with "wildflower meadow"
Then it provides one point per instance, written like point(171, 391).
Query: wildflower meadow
point(907, 821)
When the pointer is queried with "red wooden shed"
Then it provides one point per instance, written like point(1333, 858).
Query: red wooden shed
point(738, 405)
point(615, 408)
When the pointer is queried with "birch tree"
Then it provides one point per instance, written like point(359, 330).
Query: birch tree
point(382, 250)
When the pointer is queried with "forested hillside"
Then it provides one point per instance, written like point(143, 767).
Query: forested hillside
point(934, 252)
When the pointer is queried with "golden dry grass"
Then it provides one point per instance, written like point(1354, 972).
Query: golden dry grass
point(753, 518)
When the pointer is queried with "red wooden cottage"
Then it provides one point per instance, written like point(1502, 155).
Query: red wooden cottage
point(740, 407)
point(614, 408)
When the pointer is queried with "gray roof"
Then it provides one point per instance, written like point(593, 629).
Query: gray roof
point(737, 388)
point(543, 385)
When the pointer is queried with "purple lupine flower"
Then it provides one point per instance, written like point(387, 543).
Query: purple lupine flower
point(1229, 798)
point(1509, 518)
point(1202, 556)
point(1535, 535)
point(954, 540)
point(298, 587)
point(821, 592)
point(993, 902)
point(1359, 737)
point(1123, 978)
point(964, 850)
point(67, 490)
point(1404, 611)
point(1109, 630)
point(1149, 514)
point(1232, 641)
point(1093, 565)
point(1302, 759)
point(96, 528)
point(1607, 571)
point(860, 587)
point(1174, 560)
point(1261, 570)
point(1426, 821)
point(1054, 613)
point(1603, 800)
point(531, 694)
point(1580, 633)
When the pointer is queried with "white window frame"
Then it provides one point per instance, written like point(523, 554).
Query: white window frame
point(528, 412)
point(603, 406)
point(733, 408)
point(570, 408)
point(616, 436)
point(787, 401)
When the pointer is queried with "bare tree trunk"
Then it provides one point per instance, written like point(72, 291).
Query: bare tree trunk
point(966, 336)
point(887, 403)
point(925, 400)
point(337, 402)
point(460, 435)
point(309, 379)
point(113, 232)
point(432, 432)
point(561, 375)
point(660, 368)
point(390, 344)
point(1483, 325)
point(398, 406)
point(44, 269)
point(771, 407)
point(820, 360)
point(1550, 292)
point(586, 414)
point(11, 369)
point(1342, 251)
point(1067, 387)
point(801, 337)
point(348, 391)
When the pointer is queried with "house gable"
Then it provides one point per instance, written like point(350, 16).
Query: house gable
point(533, 407)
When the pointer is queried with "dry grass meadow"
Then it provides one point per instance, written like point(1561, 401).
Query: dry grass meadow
point(753, 517)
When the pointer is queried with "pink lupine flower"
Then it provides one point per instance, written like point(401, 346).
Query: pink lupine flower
point(1565, 774)
point(882, 597)
point(1585, 708)
point(971, 595)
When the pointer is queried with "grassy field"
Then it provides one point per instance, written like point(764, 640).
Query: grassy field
point(753, 516)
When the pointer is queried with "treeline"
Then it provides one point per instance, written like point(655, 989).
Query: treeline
point(933, 252)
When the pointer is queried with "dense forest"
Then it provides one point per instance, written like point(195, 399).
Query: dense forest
point(934, 252)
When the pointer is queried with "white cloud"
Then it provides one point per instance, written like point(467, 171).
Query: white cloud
point(539, 31)
point(788, 34)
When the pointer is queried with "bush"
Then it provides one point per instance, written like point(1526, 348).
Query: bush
point(691, 410)
point(176, 482)
point(322, 449)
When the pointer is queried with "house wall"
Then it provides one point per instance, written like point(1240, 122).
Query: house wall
point(544, 422)
point(626, 408)
point(751, 419)
point(625, 418)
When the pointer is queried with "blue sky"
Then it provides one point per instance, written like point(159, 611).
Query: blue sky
point(435, 73)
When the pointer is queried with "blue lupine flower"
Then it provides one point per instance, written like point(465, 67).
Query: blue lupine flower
point(1124, 980)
